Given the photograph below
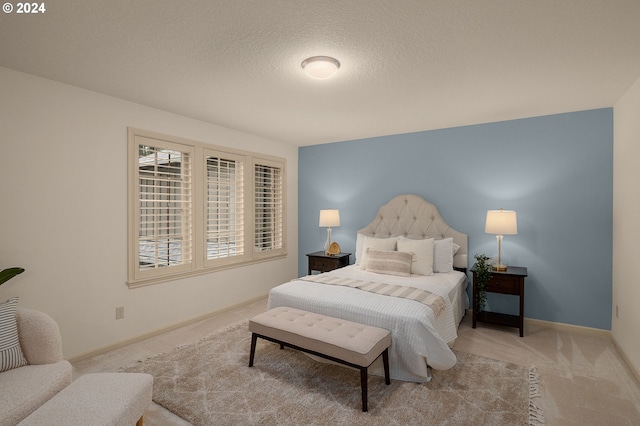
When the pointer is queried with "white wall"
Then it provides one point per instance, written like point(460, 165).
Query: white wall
point(626, 225)
point(63, 211)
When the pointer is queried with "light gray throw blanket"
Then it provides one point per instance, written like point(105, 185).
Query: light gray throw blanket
point(434, 301)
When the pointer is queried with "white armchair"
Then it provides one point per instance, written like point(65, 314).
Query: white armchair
point(24, 389)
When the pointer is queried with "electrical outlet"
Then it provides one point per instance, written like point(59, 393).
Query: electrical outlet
point(119, 312)
point(617, 316)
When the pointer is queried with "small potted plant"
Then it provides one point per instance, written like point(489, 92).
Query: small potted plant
point(483, 275)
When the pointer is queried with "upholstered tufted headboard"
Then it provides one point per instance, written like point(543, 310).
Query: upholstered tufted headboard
point(412, 216)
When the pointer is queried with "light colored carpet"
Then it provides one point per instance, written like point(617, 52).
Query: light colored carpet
point(209, 382)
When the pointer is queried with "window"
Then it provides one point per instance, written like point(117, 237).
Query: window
point(165, 207)
point(268, 207)
point(194, 208)
point(225, 206)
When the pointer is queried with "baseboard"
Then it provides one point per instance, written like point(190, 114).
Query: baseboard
point(153, 333)
point(560, 326)
point(627, 360)
point(568, 327)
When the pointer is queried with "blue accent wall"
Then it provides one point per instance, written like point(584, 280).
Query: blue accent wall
point(555, 171)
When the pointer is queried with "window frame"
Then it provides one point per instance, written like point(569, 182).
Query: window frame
point(282, 216)
point(245, 195)
point(199, 152)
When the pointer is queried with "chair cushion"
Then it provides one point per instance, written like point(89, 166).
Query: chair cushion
point(26, 388)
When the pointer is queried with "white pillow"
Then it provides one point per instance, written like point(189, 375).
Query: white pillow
point(10, 352)
point(443, 251)
point(359, 244)
point(374, 243)
point(422, 251)
point(389, 262)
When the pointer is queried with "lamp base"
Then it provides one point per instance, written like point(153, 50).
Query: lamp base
point(327, 244)
point(499, 267)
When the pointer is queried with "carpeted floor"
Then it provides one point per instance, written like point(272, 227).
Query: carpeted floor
point(209, 382)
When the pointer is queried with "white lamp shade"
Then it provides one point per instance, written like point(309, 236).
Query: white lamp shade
point(329, 218)
point(320, 67)
point(501, 222)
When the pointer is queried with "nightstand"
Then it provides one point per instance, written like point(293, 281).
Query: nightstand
point(510, 281)
point(319, 261)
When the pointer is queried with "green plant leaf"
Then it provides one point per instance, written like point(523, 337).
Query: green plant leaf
point(483, 275)
point(7, 274)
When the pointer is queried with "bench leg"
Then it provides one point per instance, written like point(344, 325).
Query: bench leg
point(254, 338)
point(364, 371)
point(363, 384)
point(385, 361)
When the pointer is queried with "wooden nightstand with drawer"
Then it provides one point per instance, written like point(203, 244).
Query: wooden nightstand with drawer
point(319, 261)
point(511, 282)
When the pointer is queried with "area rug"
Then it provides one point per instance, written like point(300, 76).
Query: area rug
point(209, 383)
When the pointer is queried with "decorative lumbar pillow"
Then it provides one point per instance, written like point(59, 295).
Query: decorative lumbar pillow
point(443, 251)
point(374, 243)
point(10, 352)
point(422, 250)
point(389, 262)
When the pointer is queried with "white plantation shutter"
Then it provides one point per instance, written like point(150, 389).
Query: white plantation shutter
point(225, 206)
point(165, 206)
point(268, 206)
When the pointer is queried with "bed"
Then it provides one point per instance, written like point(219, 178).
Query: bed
point(422, 331)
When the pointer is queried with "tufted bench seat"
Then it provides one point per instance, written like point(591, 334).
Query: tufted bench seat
point(101, 399)
point(345, 342)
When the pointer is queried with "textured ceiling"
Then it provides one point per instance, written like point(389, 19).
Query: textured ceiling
point(406, 65)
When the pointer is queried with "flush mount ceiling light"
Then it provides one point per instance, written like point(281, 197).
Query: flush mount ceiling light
point(320, 67)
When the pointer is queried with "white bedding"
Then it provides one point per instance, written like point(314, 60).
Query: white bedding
point(418, 336)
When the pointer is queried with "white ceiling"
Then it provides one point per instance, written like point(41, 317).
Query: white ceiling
point(407, 65)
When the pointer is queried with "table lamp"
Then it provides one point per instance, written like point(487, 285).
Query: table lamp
point(329, 218)
point(501, 222)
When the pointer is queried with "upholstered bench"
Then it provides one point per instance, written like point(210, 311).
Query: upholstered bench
point(345, 342)
point(102, 399)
